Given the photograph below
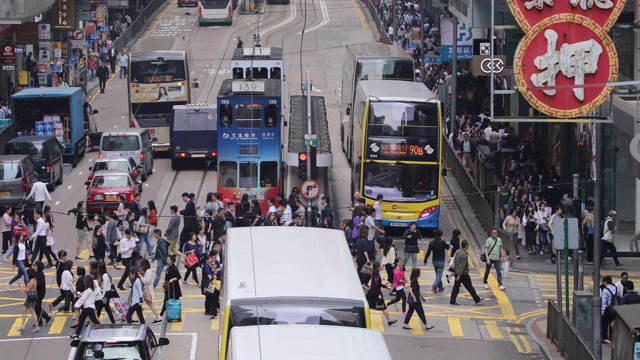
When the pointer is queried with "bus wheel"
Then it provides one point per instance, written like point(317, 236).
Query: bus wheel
point(74, 160)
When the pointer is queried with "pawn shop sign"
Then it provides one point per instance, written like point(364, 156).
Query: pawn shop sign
point(566, 57)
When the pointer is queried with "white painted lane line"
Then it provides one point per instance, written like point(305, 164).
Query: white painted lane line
point(325, 21)
point(69, 187)
point(57, 202)
point(80, 173)
point(289, 19)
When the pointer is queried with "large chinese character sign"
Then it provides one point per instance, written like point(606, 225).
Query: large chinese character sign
point(565, 59)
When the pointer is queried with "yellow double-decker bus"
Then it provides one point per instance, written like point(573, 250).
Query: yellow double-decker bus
point(397, 145)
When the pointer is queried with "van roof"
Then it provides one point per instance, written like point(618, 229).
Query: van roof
point(129, 131)
point(46, 92)
point(309, 342)
point(12, 157)
point(30, 139)
point(289, 262)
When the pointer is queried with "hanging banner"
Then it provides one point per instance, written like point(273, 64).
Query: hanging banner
point(63, 14)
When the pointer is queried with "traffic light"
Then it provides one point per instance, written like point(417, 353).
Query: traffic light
point(303, 161)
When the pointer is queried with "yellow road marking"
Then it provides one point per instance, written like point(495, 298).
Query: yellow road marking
point(455, 326)
point(363, 21)
point(14, 328)
point(58, 324)
point(515, 341)
point(179, 325)
point(525, 343)
point(215, 325)
point(493, 330)
point(415, 325)
point(376, 321)
point(155, 23)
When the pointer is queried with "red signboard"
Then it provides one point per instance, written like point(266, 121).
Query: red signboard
point(566, 58)
point(8, 50)
point(528, 13)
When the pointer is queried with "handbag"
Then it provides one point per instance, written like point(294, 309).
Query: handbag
point(380, 305)
point(191, 260)
point(146, 294)
point(411, 249)
point(410, 300)
point(112, 293)
point(32, 296)
point(483, 256)
point(544, 227)
point(210, 289)
point(367, 269)
point(142, 229)
point(217, 284)
point(50, 240)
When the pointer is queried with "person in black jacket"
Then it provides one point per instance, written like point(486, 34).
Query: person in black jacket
point(82, 227)
point(365, 253)
point(190, 219)
point(171, 283)
point(438, 247)
point(631, 296)
point(102, 73)
point(41, 289)
point(98, 243)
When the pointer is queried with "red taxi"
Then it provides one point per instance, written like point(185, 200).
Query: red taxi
point(121, 165)
point(107, 186)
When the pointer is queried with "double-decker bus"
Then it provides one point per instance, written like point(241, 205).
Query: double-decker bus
point(158, 79)
point(252, 296)
point(372, 61)
point(216, 12)
point(249, 154)
point(397, 145)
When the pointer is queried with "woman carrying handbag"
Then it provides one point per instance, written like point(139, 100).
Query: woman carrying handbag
point(171, 284)
point(374, 295)
point(415, 301)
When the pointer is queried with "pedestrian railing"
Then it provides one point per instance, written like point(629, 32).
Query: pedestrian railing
point(375, 14)
point(137, 24)
point(479, 203)
point(565, 335)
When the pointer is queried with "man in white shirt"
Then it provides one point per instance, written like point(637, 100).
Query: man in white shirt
point(378, 216)
point(272, 207)
point(370, 223)
point(40, 236)
point(39, 192)
point(127, 244)
point(286, 214)
point(624, 276)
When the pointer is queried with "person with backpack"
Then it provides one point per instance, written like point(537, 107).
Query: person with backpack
point(606, 242)
point(609, 300)
point(160, 255)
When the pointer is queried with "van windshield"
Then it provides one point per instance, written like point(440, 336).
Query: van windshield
point(120, 143)
point(120, 350)
point(10, 170)
point(35, 151)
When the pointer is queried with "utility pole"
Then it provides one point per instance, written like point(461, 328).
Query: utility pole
point(454, 75)
point(422, 52)
point(597, 215)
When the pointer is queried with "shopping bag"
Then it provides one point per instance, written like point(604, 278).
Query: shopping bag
point(505, 268)
point(191, 260)
point(122, 306)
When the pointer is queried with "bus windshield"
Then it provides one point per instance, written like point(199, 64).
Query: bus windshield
point(214, 4)
point(304, 312)
point(385, 69)
point(401, 182)
point(157, 71)
point(403, 119)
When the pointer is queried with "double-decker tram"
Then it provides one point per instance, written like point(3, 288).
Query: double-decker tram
point(249, 145)
point(397, 150)
point(258, 63)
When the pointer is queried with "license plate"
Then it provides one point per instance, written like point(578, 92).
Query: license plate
point(4, 193)
point(112, 197)
point(161, 148)
point(398, 224)
point(197, 155)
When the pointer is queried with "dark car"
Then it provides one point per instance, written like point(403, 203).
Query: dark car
point(16, 179)
point(118, 341)
point(46, 155)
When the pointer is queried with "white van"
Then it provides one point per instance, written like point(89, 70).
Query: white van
point(134, 143)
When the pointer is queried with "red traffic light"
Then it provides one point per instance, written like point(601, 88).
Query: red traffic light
point(302, 157)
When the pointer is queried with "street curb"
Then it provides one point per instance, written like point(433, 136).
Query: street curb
point(543, 348)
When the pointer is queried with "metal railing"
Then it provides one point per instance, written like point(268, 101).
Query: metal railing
point(138, 24)
point(480, 205)
point(565, 335)
point(373, 10)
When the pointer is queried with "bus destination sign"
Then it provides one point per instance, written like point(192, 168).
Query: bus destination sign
point(409, 149)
